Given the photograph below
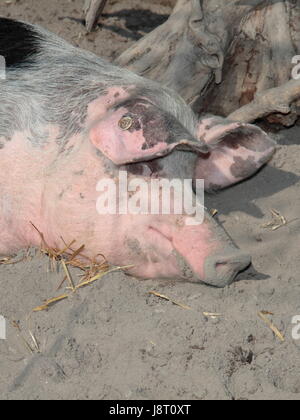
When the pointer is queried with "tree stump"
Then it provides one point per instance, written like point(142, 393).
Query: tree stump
point(231, 58)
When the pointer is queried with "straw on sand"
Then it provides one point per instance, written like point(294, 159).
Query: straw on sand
point(92, 269)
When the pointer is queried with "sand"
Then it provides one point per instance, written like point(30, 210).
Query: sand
point(114, 340)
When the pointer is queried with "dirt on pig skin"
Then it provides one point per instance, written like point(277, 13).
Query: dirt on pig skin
point(114, 340)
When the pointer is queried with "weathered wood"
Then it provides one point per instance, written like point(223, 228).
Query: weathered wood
point(265, 103)
point(219, 54)
point(259, 59)
point(93, 10)
point(188, 50)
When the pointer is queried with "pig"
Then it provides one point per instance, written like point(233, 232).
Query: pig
point(69, 119)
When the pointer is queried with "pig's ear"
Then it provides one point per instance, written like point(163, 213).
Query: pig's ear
point(237, 151)
point(140, 133)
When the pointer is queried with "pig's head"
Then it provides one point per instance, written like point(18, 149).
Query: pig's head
point(136, 130)
point(146, 141)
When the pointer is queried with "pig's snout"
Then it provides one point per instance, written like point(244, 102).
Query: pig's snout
point(208, 254)
point(220, 270)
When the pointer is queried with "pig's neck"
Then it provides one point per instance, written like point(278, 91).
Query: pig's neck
point(22, 178)
point(40, 185)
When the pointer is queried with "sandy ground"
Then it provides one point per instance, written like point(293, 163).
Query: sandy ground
point(113, 340)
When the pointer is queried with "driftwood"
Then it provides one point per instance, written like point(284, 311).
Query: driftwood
point(231, 58)
point(93, 10)
point(269, 101)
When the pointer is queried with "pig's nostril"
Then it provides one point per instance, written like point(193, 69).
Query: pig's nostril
point(221, 268)
point(221, 271)
point(220, 265)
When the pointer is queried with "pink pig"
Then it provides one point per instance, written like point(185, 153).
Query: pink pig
point(68, 119)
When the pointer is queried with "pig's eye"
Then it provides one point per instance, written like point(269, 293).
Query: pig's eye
point(125, 123)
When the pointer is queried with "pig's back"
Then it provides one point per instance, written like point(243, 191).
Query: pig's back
point(50, 82)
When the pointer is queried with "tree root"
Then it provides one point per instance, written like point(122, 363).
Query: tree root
point(92, 10)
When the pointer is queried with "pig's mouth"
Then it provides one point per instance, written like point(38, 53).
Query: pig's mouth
point(215, 269)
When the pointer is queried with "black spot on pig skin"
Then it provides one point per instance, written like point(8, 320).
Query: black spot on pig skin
point(158, 125)
point(242, 168)
point(250, 138)
point(134, 245)
point(134, 168)
point(231, 141)
point(153, 167)
point(205, 156)
point(213, 188)
point(78, 173)
point(18, 42)
point(1, 146)
point(61, 194)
